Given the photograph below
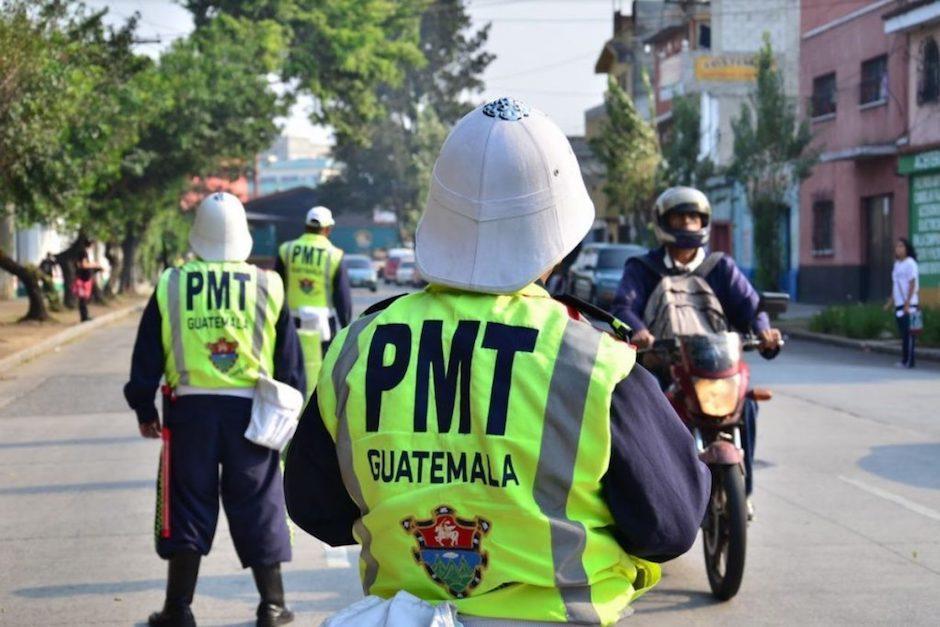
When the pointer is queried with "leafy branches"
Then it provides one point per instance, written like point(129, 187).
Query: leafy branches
point(338, 51)
point(388, 163)
point(771, 154)
point(628, 148)
point(681, 163)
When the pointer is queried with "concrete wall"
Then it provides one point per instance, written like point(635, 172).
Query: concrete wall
point(838, 37)
point(841, 275)
point(842, 49)
point(739, 26)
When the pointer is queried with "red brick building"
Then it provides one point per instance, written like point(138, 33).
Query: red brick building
point(853, 81)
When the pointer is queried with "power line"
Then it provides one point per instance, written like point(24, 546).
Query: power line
point(542, 68)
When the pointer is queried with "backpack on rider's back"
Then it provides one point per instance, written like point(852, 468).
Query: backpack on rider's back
point(683, 303)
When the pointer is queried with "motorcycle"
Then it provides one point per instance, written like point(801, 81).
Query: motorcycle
point(709, 385)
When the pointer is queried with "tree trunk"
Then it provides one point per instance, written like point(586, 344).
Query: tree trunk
point(115, 257)
point(67, 260)
point(129, 253)
point(29, 277)
point(7, 242)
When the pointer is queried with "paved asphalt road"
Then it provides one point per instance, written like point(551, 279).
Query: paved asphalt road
point(847, 529)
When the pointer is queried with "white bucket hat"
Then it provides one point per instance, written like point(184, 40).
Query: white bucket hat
point(320, 216)
point(506, 201)
point(220, 230)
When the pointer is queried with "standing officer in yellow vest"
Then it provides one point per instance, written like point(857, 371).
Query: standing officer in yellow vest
point(483, 442)
point(211, 329)
point(318, 293)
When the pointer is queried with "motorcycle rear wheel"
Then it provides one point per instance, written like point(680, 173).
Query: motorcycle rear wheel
point(724, 532)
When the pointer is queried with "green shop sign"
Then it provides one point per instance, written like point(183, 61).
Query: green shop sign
point(924, 171)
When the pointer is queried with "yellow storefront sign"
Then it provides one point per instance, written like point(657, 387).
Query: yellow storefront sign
point(726, 68)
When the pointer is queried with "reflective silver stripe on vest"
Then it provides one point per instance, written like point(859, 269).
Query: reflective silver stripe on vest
point(261, 315)
point(344, 363)
point(176, 325)
point(328, 287)
point(561, 433)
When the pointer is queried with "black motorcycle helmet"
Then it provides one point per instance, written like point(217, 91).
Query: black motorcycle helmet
point(682, 200)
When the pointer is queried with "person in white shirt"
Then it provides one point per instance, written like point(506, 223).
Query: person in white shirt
point(905, 285)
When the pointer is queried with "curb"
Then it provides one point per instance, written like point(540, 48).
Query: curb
point(69, 334)
point(886, 347)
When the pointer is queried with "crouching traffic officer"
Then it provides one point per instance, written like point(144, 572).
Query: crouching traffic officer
point(483, 442)
point(318, 292)
point(212, 328)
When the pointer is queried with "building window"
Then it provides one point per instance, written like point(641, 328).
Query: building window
point(824, 95)
point(823, 211)
point(705, 36)
point(874, 85)
point(928, 75)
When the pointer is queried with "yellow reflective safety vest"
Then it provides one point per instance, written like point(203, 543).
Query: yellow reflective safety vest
point(311, 263)
point(473, 430)
point(218, 323)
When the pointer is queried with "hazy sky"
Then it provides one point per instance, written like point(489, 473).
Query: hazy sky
point(545, 51)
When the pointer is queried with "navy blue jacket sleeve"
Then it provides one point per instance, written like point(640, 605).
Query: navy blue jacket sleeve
point(636, 285)
point(737, 296)
point(281, 269)
point(316, 497)
point(147, 364)
point(342, 296)
point(288, 357)
point(656, 487)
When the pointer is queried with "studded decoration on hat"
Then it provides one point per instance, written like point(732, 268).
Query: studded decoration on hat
point(508, 109)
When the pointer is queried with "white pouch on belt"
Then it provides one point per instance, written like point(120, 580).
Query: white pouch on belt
point(274, 413)
point(316, 319)
point(402, 610)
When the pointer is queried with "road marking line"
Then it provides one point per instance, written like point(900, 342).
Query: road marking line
point(897, 499)
point(336, 557)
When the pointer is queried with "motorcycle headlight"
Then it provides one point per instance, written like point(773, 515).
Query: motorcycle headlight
point(718, 397)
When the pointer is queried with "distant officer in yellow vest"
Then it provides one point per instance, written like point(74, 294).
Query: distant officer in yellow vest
point(211, 329)
point(482, 442)
point(318, 292)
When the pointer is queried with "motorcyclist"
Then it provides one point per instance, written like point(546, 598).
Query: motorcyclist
point(682, 226)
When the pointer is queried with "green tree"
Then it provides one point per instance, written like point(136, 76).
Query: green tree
point(211, 108)
point(627, 146)
point(771, 155)
point(681, 165)
point(338, 51)
point(61, 69)
point(392, 167)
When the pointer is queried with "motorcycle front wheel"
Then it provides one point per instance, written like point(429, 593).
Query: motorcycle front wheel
point(724, 532)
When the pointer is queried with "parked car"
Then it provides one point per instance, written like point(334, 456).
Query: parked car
point(596, 272)
point(406, 273)
point(395, 257)
point(361, 273)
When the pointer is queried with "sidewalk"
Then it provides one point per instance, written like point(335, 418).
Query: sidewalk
point(24, 340)
point(795, 323)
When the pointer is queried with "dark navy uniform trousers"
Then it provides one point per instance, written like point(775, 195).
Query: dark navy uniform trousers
point(207, 455)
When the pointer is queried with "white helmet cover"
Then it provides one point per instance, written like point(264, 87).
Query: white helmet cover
point(320, 216)
point(220, 230)
point(506, 201)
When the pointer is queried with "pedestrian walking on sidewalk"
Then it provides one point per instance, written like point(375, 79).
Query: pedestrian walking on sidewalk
point(213, 328)
point(904, 297)
point(84, 283)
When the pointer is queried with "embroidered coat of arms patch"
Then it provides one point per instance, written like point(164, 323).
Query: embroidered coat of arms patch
point(449, 549)
point(223, 354)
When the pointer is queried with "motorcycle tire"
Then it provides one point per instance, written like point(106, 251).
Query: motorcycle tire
point(724, 532)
